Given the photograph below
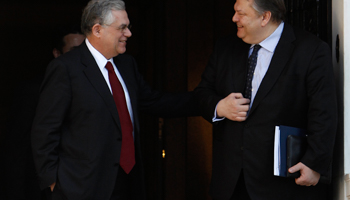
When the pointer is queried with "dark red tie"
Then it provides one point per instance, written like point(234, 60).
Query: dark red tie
point(127, 154)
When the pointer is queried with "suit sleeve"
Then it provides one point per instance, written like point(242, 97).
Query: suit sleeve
point(54, 101)
point(205, 93)
point(322, 111)
point(162, 104)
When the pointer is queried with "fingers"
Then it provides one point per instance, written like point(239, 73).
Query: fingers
point(236, 95)
point(296, 168)
point(239, 117)
point(238, 99)
point(233, 107)
point(52, 186)
point(308, 176)
point(236, 118)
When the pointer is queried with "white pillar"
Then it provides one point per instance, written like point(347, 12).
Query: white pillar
point(342, 73)
point(346, 54)
point(346, 44)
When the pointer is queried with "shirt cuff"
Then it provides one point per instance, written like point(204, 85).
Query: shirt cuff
point(216, 118)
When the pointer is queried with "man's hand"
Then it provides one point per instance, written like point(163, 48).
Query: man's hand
point(308, 176)
point(52, 186)
point(233, 107)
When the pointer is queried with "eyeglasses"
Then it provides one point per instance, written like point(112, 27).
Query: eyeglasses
point(121, 28)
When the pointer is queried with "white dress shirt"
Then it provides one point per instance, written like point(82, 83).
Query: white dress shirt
point(101, 63)
point(265, 54)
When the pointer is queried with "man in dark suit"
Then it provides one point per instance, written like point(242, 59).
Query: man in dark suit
point(85, 135)
point(292, 84)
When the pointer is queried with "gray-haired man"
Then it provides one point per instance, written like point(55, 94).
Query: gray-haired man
point(85, 135)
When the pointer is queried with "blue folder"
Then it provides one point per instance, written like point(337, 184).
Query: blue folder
point(284, 132)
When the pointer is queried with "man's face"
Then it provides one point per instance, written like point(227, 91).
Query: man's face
point(115, 35)
point(248, 22)
point(71, 41)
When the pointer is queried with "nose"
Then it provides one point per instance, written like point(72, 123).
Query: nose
point(127, 33)
point(235, 18)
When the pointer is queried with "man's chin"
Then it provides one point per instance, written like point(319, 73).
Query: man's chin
point(239, 34)
point(121, 51)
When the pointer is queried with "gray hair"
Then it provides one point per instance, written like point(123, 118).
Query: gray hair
point(99, 12)
point(276, 7)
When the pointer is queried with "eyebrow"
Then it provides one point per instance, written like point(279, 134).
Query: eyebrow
point(239, 11)
point(124, 25)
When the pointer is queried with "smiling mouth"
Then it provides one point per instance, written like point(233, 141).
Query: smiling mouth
point(239, 26)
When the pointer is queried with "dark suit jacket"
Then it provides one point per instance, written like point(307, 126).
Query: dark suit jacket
point(76, 134)
point(298, 90)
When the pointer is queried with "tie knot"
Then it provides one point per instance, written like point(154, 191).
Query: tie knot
point(109, 66)
point(256, 48)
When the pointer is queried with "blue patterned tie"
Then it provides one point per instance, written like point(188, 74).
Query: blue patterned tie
point(251, 67)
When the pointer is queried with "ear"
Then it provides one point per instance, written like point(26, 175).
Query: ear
point(56, 52)
point(96, 30)
point(266, 17)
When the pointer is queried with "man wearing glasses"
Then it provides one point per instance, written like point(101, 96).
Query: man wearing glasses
point(85, 135)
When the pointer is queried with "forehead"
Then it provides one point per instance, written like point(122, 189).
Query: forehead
point(243, 5)
point(120, 17)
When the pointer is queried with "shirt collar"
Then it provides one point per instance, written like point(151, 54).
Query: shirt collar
point(99, 58)
point(271, 42)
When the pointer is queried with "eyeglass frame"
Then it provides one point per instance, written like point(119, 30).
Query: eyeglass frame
point(121, 28)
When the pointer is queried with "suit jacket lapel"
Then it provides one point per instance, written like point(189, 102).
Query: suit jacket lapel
point(279, 60)
point(95, 77)
point(240, 67)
